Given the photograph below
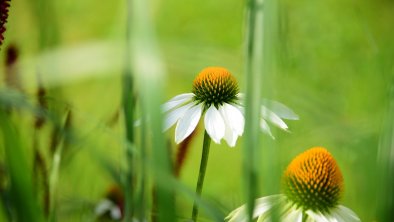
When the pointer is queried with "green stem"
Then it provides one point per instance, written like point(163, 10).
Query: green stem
point(201, 175)
point(252, 108)
point(128, 101)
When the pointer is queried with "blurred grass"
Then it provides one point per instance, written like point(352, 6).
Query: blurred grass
point(334, 70)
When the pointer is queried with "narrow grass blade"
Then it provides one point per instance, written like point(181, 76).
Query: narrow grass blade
point(270, 155)
point(128, 102)
point(24, 202)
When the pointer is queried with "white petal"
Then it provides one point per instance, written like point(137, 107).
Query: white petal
point(173, 116)
point(297, 216)
point(281, 110)
point(116, 214)
point(176, 101)
point(233, 117)
point(237, 215)
point(214, 124)
point(262, 207)
point(230, 136)
point(187, 123)
point(345, 214)
point(292, 215)
point(234, 123)
point(103, 206)
point(317, 217)
point(241, 108)
point(266, 128)
point(272, 117)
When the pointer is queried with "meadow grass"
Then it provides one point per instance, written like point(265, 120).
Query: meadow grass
point(330, 61)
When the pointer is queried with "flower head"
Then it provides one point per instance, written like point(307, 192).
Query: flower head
point(313, 180)
point(215, 93)
point(313, 185)
point(215, 86)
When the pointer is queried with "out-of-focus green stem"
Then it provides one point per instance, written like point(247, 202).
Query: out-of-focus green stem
point(128, 110)
point(251, 111)
point(201, 174)
point(385, 164)
point(53, 178)
point(149, 69)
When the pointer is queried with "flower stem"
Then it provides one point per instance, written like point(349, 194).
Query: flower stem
point(201, 175)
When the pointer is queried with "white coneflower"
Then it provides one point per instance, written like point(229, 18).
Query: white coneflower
point(215, 92)
point(313, 185)
point(112, 206)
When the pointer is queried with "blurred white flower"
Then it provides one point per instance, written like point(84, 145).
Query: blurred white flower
point(313, 186)
point(215, 93)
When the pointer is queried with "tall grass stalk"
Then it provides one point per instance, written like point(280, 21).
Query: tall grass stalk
point(24, 202)
point(148, 66)
point(385, 165)
point(46, 18)
point(143, 182)
point(128, 101)
point(53, 179)
point(268, 22)
point(58, 148)
point(252, 116)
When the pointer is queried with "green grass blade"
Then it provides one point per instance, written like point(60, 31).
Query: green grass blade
point(128, 102)
point(24, 202)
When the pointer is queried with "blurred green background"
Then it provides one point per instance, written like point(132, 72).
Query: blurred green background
point(335, 69)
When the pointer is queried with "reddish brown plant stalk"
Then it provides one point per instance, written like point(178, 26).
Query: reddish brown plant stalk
point(4, 5)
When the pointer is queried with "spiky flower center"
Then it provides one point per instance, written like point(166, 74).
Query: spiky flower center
point(313, 181)
point(215, 86)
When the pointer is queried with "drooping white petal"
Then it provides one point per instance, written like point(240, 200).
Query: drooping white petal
point(234, 123)
point(281, 110)
point(116, 214)
point(264, 204)
point(214, 124)
point(233, 117)
point(187, 123)
point(241, 108)
point(230, 136)
point(176, 101)
point(294, 215)
point(237, 215)
point(262, 209)
point(172, 117)
point(266, 128)
point(316, 217)
point(103, 206)
point(273, 118)
point(342, 213)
